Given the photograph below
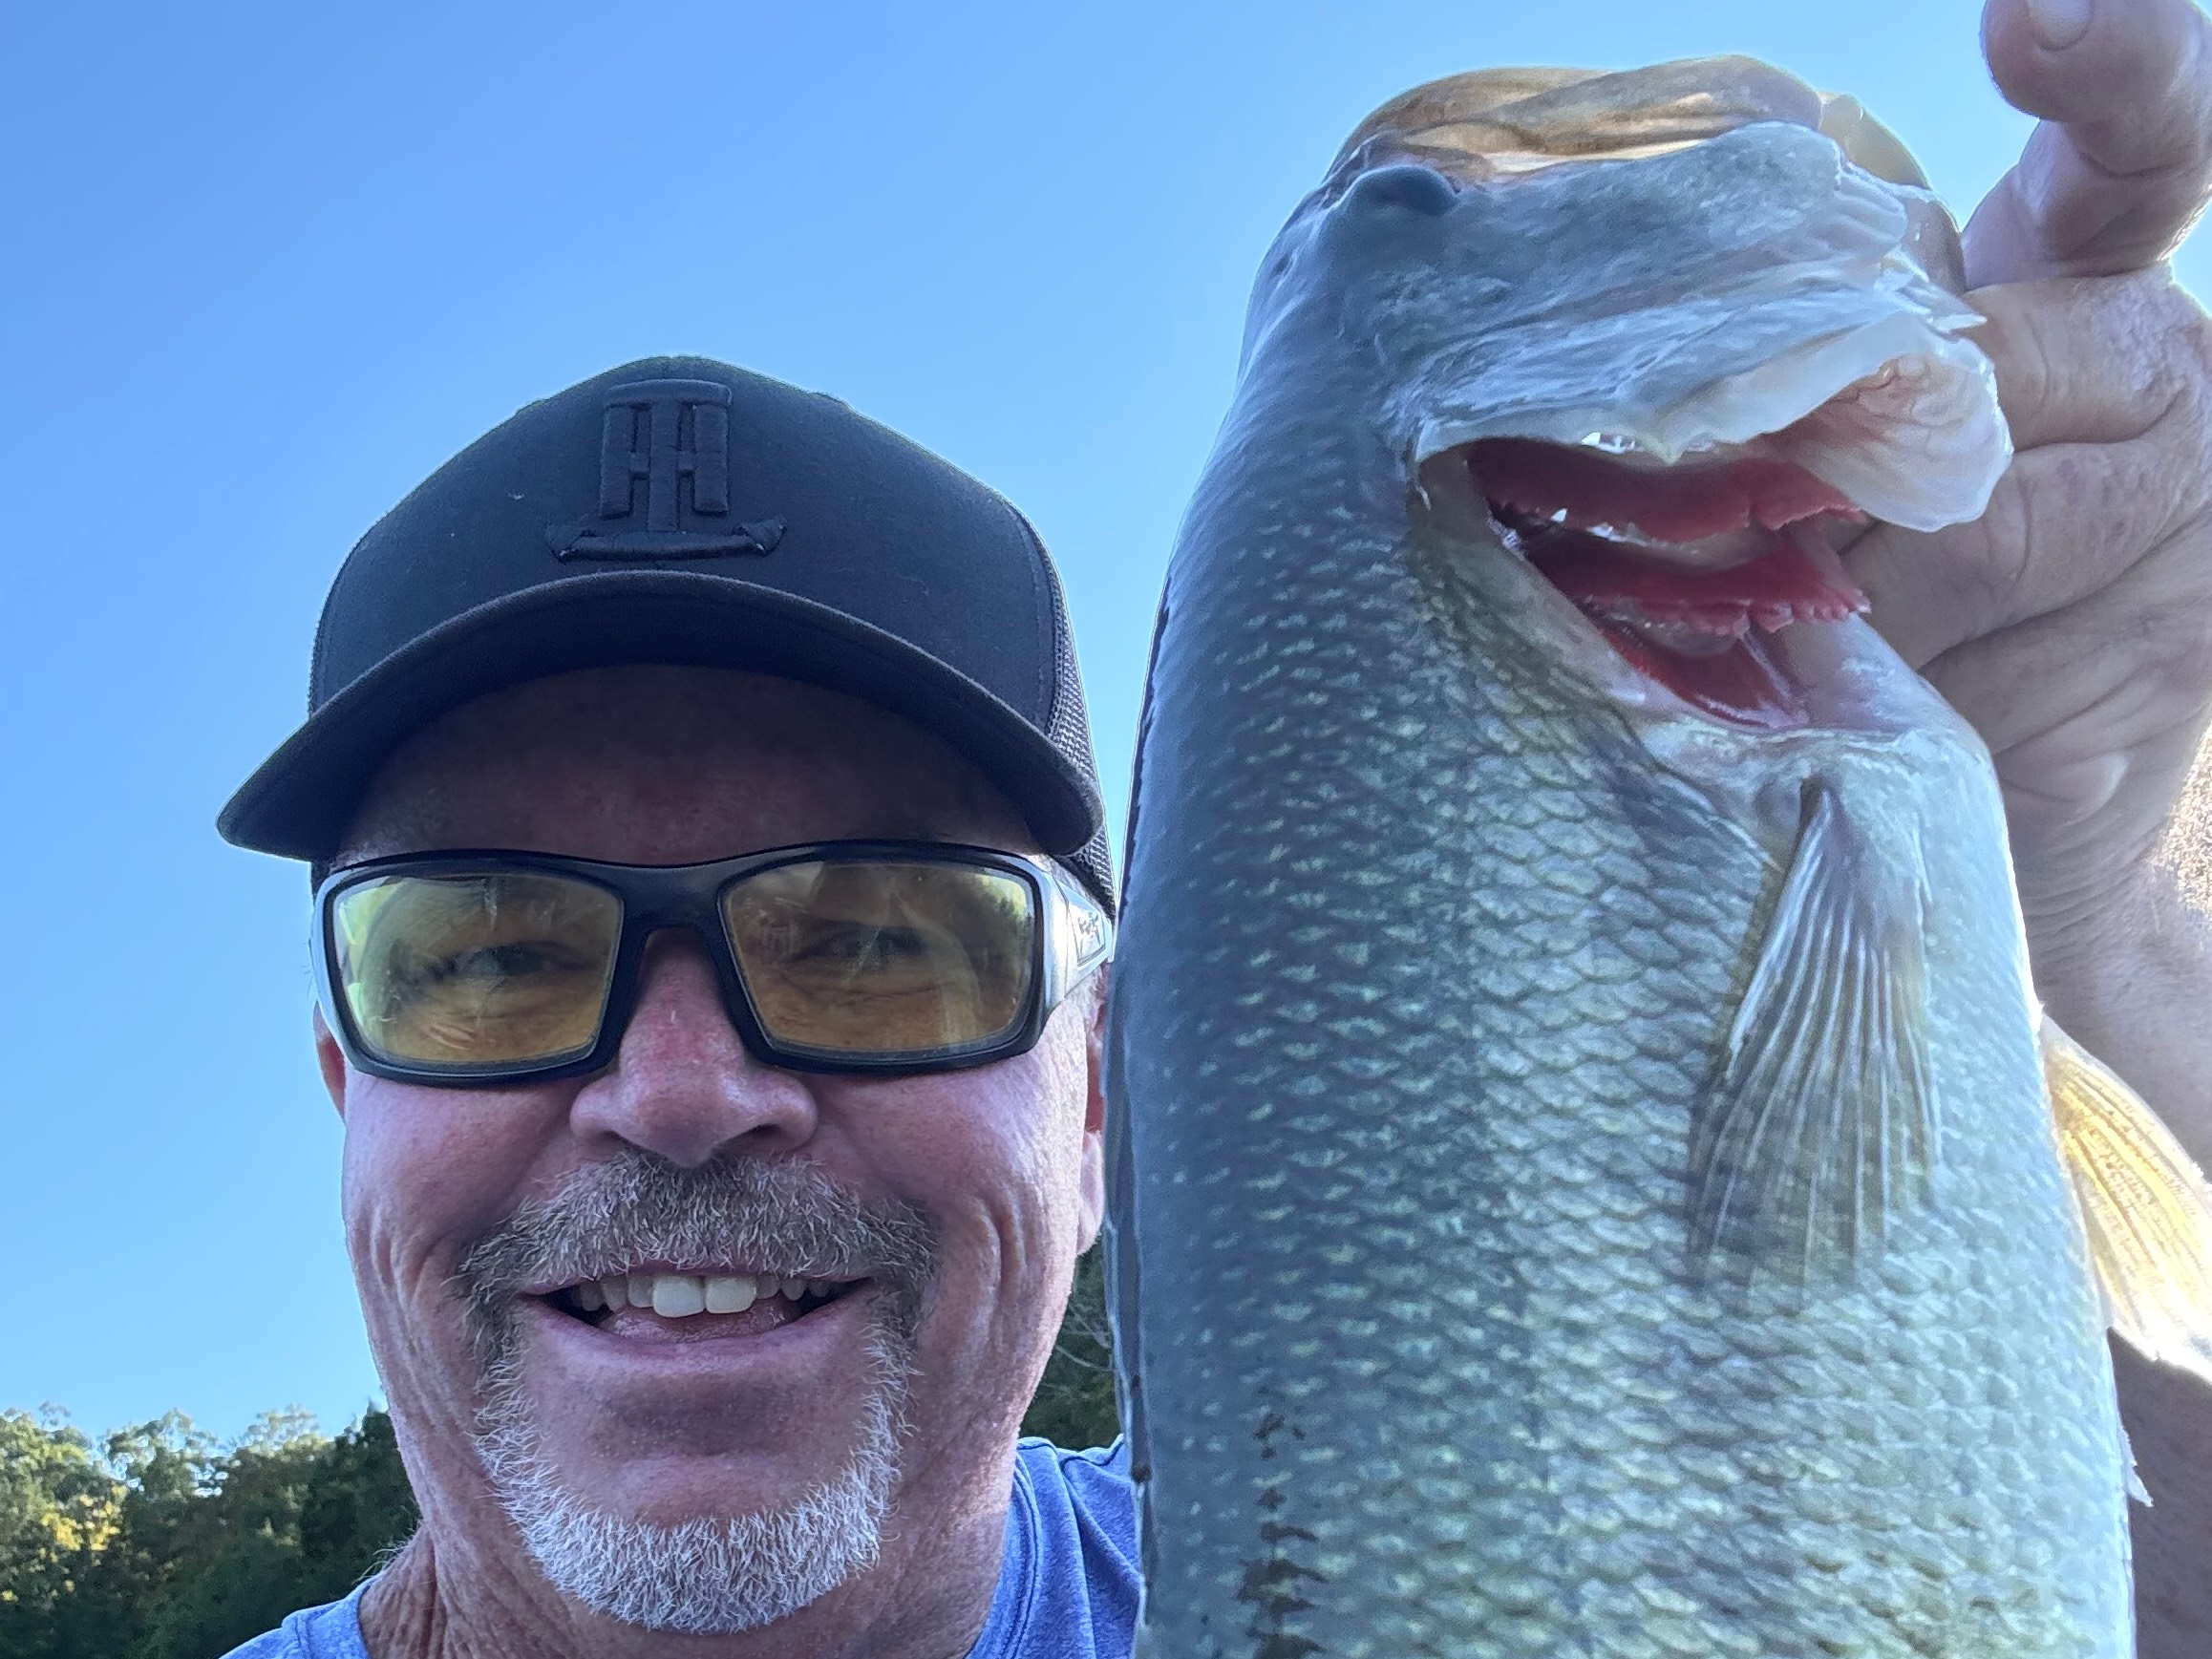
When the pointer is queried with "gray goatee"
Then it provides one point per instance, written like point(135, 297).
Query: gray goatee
point(711, 1574)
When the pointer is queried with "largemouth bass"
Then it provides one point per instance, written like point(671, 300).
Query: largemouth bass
point(1584, 1178)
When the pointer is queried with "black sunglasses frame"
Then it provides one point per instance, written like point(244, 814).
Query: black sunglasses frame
point(1072, 937)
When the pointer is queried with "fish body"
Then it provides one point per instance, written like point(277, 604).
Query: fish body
point(1486, 1281)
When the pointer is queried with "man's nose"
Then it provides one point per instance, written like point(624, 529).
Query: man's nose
point(683, 1084)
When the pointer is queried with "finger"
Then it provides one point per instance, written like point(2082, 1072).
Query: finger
point(2093, 360)
point(2066, 520)
point(2121, 164)
point(2133, 668)
point(2125, 706)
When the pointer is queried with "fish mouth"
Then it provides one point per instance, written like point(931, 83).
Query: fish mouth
point(1699, 573)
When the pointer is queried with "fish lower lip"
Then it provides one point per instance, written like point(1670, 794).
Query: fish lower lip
point(1744, 681)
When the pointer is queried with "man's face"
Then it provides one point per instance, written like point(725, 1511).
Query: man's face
point(967, 1193)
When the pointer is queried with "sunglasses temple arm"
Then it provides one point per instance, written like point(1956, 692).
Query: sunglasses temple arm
point(1082, 936)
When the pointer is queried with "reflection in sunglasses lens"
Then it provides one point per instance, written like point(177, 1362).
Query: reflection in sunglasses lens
point(882, 958)
point(491, 968)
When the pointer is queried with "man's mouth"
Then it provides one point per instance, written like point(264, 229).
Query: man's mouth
point(1690, 571)
point(654, 1303)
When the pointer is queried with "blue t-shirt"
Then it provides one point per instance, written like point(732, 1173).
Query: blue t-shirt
point(1067, 1589)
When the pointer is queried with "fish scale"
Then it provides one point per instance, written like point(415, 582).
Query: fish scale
point(1427, 967)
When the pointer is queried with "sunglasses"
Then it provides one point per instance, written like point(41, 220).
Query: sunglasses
point(472, 969)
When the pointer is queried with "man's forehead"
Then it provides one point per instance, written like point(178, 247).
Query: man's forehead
point(668, 764)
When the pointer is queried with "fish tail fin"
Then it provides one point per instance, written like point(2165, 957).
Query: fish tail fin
point(2144, 1204)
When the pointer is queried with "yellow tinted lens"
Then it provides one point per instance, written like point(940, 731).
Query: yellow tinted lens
point(883, 958)
point(475, 970)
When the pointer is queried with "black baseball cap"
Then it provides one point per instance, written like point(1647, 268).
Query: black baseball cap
point(679, 510)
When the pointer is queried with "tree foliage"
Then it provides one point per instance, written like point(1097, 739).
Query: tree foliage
point(1075, 1405)
point(158, 1542)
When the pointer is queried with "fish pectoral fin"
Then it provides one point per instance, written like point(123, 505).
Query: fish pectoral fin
point(2145, 1205)
point(1822, 1122)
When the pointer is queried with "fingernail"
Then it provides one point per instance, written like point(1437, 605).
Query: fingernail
point(2059, 23)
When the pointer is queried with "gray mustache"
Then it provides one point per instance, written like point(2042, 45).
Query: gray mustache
point(784, 1216)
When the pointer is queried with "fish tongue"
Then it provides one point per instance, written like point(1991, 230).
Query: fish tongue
point(1746, 684)
point(1666, 503)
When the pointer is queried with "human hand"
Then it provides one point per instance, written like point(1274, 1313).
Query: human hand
point(2072, 623)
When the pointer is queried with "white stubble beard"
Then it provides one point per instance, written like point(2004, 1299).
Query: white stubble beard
point(711, 1575)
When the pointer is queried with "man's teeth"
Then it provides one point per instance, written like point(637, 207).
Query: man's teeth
point(680, 1295)
point(730, 1292)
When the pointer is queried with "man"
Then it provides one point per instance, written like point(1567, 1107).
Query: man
point(710, 900)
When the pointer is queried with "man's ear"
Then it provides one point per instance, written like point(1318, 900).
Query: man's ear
point(1094, 1115)
point(332, 1063)
point(1095, 1045)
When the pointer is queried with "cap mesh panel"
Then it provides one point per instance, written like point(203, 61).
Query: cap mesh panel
point(1067, 729)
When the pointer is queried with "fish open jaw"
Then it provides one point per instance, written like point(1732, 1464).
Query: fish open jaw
point(1692, 571)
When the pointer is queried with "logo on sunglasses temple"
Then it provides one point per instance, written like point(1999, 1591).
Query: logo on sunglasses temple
point(666, 434)
point(1087, 931)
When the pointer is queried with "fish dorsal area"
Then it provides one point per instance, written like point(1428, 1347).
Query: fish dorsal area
point(1515, 120)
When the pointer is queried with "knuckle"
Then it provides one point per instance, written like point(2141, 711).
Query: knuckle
point(2179, 641)
point(1991, 564)
point(2023, 340)
point(2018, 328)
point(2187, 341)
point(2190, 90)
point(2194, 655)
point(2141, 340)
point(2185, 348)
point(2171, 81)
point(2073, 484)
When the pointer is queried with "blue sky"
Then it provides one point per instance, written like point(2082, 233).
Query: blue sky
point(266, 266)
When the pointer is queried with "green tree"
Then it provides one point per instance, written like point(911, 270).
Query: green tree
point(292, 1518)
point(358, 1512)
point(1075, 1403)
point(60, 1510)
point(161, 1544)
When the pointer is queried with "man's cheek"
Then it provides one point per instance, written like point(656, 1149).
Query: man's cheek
point(439, 1167)
point(415, 1190)
point(990, 1321)
point(415, 1324)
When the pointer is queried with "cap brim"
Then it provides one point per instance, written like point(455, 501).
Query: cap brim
point(301, 799)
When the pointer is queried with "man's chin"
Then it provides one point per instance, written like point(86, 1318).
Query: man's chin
point(695, 1491)
point(705, 1575)
point(698, 1543)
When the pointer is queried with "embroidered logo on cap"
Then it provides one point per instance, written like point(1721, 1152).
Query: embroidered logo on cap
point(664, 467)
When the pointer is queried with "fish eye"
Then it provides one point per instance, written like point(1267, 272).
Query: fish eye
point(1405, 184)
